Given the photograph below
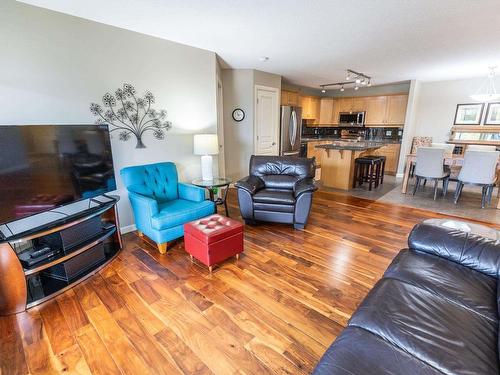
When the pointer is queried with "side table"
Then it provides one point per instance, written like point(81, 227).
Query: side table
point(217, 182)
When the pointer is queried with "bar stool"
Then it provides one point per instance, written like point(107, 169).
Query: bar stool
point(368, 169)
point(382, 170)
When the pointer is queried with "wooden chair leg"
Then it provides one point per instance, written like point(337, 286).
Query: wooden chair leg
point(370, 177)
point(162, 247)
point(383, 172)
point(377, 174)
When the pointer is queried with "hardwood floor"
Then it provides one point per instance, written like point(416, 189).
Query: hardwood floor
point(275, 310)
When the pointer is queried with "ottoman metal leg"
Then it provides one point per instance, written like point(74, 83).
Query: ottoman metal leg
point(237, 256)
point(192, 259)
point(210, 269)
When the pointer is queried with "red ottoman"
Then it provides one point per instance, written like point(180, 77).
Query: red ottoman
point(213, 239)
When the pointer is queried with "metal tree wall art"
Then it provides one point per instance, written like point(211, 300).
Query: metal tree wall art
point(129, 114)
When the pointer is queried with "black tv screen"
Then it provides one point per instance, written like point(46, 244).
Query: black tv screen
point(46, 166)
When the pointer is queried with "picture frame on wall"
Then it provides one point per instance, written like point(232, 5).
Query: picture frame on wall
point(469, 114)
point(492, 114)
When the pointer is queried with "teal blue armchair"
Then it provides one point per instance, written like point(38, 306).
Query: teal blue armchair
point(161, 204)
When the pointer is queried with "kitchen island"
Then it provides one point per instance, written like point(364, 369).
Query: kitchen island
point(337, 161)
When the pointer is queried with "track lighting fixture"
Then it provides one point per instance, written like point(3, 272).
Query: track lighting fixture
point(352, 77)
point(323, 91)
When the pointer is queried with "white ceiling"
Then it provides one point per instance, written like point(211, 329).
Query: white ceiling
point(311, 42)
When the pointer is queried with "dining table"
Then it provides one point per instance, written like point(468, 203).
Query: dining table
point(451, 160)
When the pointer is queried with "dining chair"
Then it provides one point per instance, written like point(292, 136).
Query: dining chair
point(417, 142)
point(430, 166)
point(481, 148)
point(479, 168)
point(448, 148)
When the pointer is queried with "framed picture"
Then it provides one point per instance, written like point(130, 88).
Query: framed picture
point(492, 114)
point(469, 114)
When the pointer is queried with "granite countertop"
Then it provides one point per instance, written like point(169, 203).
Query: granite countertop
point(354, 146)
point(384, 141)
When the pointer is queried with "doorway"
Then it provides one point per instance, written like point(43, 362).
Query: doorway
point(267, 120)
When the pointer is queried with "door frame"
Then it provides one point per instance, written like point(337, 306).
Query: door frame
point(276, 90)
point(220, 126)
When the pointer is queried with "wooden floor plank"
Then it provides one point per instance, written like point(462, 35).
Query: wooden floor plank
point(275, 310)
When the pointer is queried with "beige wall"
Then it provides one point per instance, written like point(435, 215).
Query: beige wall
point(53, 66)
point(437, 103)
point(239, 92)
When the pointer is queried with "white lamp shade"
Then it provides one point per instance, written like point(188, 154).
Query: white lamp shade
point(206, 144)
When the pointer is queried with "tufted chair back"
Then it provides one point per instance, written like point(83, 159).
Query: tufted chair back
point(158, 181)
point(281, 172)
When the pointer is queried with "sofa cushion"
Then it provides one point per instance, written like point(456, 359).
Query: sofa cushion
point(454, 282)
point(446, 336)
point(471, 250)
point(357, 351)
point(273, 207)
point(274, 196)
point(180, 211)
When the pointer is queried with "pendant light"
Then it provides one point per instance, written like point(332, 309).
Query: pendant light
point(487, 91)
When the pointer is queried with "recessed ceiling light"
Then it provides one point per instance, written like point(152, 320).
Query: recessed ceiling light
point(264, 58)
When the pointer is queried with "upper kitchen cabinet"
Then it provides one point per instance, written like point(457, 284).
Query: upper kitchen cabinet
point(345, 104)
point(358, 104)
point(396, 109)
point(289, 97)
point(375, 108)
point(328, 112)
point(310, 108)
point(385, 110)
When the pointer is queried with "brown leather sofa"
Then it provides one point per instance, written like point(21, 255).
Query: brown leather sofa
point(435, 311)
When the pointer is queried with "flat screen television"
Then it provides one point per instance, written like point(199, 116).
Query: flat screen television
point(46, 166)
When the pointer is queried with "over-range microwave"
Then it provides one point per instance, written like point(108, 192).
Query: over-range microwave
point(352, 119)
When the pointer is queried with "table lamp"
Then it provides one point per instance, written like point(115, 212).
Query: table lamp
point(206, 145)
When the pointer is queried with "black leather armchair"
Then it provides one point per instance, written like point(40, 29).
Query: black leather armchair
point(279, 189)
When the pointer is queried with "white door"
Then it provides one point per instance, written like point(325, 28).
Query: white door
point(220, 128)
point(267, 120)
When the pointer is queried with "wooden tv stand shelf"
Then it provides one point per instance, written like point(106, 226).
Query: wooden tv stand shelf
point(84, 236)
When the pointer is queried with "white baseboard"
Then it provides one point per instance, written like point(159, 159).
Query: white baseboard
point(128, 229)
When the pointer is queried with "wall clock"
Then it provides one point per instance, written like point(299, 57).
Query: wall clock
point(238, 115)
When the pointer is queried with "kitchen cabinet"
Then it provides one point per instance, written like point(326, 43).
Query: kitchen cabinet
point(391, 153)
point(396, 109)
point(289, 97)
point(328, 112)
point(358, 104)
point(345, 104)
point(376, 108)
point(310, 108)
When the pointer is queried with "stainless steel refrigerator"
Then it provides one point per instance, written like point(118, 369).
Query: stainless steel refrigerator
point(290, 130)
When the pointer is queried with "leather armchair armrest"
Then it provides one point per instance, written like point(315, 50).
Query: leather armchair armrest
point(252, 184)
point(301, 186)
point(190, 192)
